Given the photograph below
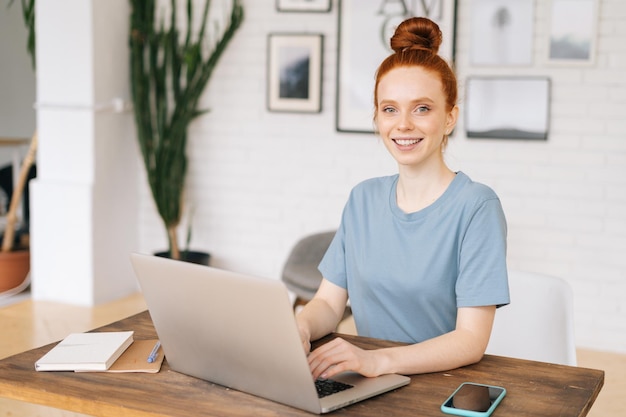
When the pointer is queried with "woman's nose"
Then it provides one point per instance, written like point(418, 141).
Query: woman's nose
point(405, 122)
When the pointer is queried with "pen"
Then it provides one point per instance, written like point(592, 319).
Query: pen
point(153, 354)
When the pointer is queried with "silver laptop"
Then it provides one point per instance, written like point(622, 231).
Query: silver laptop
point(239, 331)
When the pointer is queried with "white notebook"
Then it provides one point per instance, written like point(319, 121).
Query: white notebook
point(95, 351)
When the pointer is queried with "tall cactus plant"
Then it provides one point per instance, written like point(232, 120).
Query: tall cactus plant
point(169, 72)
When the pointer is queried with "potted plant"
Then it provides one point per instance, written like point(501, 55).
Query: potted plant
point(15, 250)
point(15, 260)
point(168, 73)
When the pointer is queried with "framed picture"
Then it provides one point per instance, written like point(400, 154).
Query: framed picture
point(507, 107)
point(294, 72)
point(365, 27)
point(303, 5)
point(502, 32)
point(573, 26)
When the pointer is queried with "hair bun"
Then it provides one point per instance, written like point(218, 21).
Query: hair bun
point(416, 33)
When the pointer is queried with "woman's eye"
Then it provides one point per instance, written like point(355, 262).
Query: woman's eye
point(422, 109)
point(388, 109)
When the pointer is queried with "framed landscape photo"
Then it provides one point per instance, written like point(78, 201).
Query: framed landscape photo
point(294, 72)
point(573, 26)
point(507, 107)
point(303, 5)
point(365, 27)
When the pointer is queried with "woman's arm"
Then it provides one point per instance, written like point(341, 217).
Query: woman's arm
point(463, 346)
point(322, 314)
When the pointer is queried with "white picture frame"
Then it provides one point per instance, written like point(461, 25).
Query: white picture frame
point(573, 32)
point(502, 32)
point(294, 72)
point(315, 6)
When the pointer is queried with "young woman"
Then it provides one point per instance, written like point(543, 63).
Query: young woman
point(420, 254)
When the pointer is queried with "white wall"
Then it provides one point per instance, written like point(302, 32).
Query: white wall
point(261, 180)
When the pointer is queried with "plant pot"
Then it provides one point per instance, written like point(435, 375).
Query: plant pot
point(195, 257)
point(14, 268)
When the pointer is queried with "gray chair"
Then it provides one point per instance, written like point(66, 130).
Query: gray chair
point(300, 273)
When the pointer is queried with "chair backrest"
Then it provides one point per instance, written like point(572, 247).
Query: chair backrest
point(538, 324)
point(300, 273)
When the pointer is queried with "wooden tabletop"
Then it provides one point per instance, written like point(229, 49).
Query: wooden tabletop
point(533, 388)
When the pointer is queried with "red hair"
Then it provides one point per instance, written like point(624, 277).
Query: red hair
point(415, 43)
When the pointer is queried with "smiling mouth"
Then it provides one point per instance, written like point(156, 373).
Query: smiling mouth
point(406, 142)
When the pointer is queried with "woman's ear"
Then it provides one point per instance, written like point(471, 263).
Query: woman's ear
point(451, 119)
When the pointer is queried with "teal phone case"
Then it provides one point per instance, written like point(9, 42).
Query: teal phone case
point(496, 394)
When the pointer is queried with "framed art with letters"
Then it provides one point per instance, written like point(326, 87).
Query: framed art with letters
point(365, 27)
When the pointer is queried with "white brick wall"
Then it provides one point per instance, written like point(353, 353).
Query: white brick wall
point(260, 180)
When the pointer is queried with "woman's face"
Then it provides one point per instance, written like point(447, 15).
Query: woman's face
point(411, 115)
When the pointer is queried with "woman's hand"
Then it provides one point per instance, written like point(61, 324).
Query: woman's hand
point(339, 356)
point(463, 346)
point(321, 315)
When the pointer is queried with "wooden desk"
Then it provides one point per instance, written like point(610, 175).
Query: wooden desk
point(534, 389)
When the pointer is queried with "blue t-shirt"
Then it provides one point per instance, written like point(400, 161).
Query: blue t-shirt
point(407, 273)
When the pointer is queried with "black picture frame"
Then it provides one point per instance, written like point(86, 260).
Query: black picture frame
point(304, 6)
point(294, 72)
point(507, 107)
point(365, 27)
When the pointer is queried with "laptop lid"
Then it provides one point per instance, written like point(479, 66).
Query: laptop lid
point(238, 331)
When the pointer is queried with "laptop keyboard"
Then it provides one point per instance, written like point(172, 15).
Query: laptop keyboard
point(327, 387)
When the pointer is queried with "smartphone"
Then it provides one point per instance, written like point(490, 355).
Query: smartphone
point(473, 400)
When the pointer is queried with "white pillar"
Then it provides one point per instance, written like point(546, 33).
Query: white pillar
point(84, 205)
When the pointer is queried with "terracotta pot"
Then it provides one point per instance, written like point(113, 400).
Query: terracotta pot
point(14, 268)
